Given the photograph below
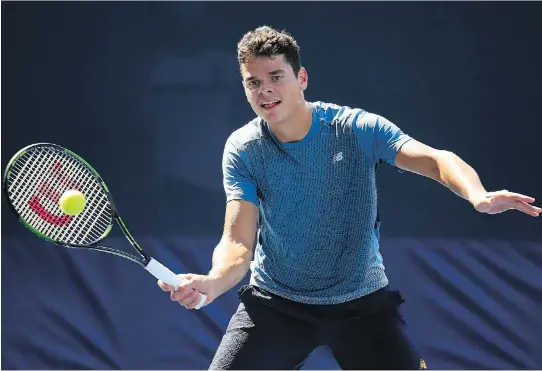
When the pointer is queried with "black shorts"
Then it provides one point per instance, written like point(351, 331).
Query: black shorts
point(270, 332)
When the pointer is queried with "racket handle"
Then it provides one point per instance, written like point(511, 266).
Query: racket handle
point(165, 275)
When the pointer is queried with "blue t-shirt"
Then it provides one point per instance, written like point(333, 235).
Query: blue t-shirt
point(318, 237)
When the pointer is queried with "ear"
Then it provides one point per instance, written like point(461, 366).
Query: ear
point(303, 78)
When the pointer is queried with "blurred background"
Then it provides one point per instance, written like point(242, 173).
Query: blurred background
point(148, 92)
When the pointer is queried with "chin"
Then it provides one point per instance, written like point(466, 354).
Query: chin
point(272, 117)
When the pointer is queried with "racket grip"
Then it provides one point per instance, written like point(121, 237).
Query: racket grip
point(165, 275)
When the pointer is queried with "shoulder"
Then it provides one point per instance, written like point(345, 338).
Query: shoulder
point(335, 114)
point(246, 135)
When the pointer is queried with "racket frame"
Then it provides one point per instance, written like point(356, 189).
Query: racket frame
point(144, 260)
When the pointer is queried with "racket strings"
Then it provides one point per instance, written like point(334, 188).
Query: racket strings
point(38, 180)
point(21, 185)
point(28, 180)
point(56, 189)
point(82, 225)
point(31, 181)
point(101, 205)
point(90, 186)
point(87, 222)
point(34, 180)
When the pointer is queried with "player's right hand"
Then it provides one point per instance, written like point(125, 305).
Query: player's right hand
point(188, 293)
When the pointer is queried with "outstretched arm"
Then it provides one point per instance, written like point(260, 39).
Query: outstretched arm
point(451, 171)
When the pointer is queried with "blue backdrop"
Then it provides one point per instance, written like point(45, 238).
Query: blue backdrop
point(148, 93)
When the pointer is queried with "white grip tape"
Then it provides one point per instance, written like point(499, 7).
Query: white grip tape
point(165, 275)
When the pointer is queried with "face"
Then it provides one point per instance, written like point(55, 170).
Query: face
point(274, 92)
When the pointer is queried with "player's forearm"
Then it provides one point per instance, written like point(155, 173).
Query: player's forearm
point(458, 176)
point(231, 262)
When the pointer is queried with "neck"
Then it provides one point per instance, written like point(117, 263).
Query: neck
point(296, 127)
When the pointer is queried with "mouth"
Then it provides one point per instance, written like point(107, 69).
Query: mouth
point(270, 104)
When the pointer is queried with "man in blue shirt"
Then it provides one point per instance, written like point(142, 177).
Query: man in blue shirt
point(300, 181)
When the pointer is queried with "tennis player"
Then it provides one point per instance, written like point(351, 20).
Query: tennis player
point(300, 186)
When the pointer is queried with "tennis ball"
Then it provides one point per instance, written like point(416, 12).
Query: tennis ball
point(72, 202)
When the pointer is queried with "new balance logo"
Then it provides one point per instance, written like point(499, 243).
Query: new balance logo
point(337, 157)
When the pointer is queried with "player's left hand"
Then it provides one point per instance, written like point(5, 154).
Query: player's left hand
point(501, 201)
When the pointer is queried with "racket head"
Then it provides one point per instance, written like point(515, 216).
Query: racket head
point(34, 180)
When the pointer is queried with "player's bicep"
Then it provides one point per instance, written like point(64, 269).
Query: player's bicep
point(418, 158)
point(241, 222)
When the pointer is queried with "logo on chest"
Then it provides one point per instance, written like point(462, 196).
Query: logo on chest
point(337, 157)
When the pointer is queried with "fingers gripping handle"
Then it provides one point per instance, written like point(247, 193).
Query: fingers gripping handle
point(165, 275)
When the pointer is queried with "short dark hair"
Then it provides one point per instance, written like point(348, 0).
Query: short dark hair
point(266, 41)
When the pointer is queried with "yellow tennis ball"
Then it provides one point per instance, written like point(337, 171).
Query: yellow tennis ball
point(72, 202)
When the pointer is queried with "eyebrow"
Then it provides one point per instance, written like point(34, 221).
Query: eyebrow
point(272, 73)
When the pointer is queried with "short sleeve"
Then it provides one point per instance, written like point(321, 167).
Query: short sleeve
point(238, 182)
point(380, 138)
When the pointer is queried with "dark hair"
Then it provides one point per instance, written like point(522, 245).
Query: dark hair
point(266, 41)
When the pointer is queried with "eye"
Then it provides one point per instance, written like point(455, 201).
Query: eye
point(252, 83)
point(276, 78)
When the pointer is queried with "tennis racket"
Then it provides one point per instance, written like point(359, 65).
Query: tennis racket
point(34, 181)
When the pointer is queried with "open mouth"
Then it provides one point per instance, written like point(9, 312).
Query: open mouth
point(270, 104)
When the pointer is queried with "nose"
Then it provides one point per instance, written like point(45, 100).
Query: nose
point(265, 88)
